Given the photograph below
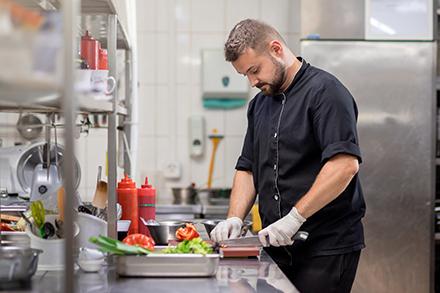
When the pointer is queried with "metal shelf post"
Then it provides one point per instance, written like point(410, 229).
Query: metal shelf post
point(112, 137)
point(70, 10)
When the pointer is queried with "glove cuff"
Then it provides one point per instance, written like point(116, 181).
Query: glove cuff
point(294, 213)
point(235, 220)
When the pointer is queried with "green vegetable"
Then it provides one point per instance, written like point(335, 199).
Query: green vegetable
point(38, 213)
point(113, 246)
point(196, 245)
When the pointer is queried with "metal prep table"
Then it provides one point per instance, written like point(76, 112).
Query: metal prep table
point(233, 275)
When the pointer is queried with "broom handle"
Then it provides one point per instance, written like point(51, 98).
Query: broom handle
point(211, 164)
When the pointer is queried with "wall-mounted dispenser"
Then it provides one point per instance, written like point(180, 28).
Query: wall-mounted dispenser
point(196, 135)
point(222, 86)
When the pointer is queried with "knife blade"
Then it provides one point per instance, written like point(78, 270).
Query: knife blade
point(250, 241)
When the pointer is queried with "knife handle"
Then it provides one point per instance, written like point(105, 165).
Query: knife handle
point(300, 236)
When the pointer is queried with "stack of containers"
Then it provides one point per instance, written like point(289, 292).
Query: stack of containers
point(128, 199)
point(147, 205)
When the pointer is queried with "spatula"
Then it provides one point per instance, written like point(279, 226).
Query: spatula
point(100, 198)
point(60, 203)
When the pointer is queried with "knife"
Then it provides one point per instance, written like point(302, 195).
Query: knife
point(251, 241)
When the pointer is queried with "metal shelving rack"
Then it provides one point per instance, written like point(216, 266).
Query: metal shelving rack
point(101, 18)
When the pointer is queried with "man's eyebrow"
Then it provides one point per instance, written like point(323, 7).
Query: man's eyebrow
point(249, 69)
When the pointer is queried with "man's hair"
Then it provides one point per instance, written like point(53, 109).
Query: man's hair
point(249, 33)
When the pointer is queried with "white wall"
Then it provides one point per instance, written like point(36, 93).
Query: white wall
point(171, 34)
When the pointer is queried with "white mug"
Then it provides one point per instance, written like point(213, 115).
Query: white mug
point(100, 82)
point(83, 80)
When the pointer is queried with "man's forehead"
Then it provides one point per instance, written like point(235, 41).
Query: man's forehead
point(245, 61)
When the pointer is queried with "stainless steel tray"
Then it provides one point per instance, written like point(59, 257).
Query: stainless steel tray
point(167, 265)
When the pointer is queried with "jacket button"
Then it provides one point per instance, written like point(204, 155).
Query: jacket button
point(276, 197)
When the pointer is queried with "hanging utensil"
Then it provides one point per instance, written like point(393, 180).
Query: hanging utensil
point(48, 134)
point(100, 198)
point(215, 138)
point(56, 149)
point(60, 202)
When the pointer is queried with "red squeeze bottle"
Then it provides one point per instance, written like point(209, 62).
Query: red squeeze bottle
point(127, 198)
point(90, 50)
point(147, 205)
point(103, 59)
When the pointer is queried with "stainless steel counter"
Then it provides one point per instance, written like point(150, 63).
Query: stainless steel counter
point(233, 275)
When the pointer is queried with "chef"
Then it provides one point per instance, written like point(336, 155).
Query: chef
point(301, 157)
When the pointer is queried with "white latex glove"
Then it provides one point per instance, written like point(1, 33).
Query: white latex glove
point(227, 229)
point(281, 232)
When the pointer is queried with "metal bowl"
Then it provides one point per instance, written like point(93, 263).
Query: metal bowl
point(214, 196)
point(184, 195)
point(17, 265)
point(210, 224)
point(164, 231)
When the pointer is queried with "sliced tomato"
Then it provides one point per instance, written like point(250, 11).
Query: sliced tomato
point(140, 240)
point(187, 233)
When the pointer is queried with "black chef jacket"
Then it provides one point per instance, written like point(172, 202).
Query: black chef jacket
point(289, 138)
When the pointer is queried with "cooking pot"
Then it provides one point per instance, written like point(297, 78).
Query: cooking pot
point(184, 195)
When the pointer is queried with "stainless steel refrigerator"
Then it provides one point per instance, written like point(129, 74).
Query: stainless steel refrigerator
point(393, 83)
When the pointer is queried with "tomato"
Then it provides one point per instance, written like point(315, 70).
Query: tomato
point(5, 227)
point(187, 233)
point(140, 240)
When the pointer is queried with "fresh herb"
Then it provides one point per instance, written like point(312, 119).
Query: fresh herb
point(113, 246)
point(196, 245)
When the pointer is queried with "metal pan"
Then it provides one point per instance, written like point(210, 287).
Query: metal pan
point(167, 265)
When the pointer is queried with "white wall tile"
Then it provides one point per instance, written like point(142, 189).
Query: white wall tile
point(96, 149)
point(147, 57)
point(146, 15)
point(233, 146)
point(164, 58)
point(239, 10)
point(146, 158)
point(196, 100)
point(164, 15)
point(81, 156)
point(147, 110)
point(236, 121)
point(207, 16)
point(165, 110)
point(183, 57)
point(276, 14)
point(184, 158)
point(182, 14)
point(165, 152)
point(183, 103)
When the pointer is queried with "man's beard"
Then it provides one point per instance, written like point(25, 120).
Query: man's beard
point(274, 88)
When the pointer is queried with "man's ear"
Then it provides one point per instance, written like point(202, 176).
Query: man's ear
point(276, 48)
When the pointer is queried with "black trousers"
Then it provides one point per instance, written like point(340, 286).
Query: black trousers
point(332, 273)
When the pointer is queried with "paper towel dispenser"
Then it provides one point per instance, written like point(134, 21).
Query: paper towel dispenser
point(222, 86)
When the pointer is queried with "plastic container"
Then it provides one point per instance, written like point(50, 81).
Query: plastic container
point(147, 205)
point(52, 258)
point(122, 228)
point(90, 226)
point(90, 50)
point(128, 199)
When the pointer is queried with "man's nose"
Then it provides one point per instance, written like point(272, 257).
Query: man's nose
point(253, 80)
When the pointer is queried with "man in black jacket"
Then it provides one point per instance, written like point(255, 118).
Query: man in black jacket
point(301, 157)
